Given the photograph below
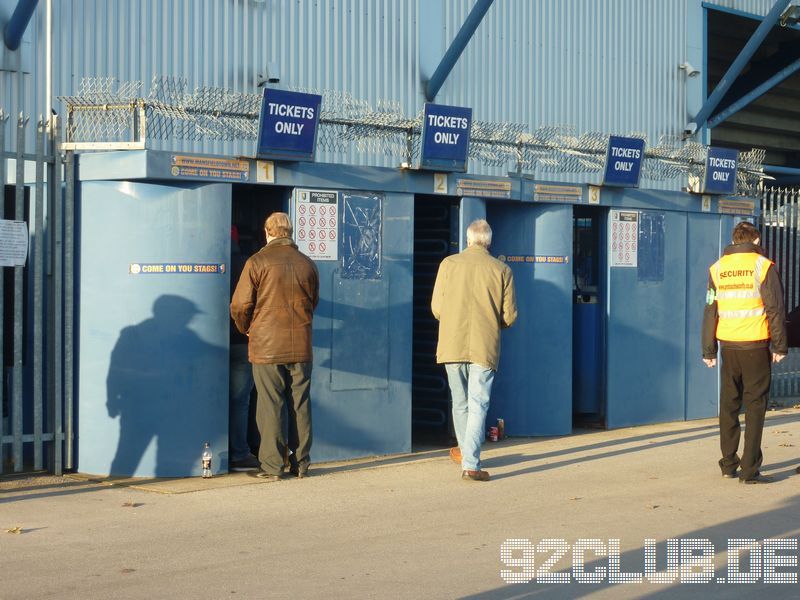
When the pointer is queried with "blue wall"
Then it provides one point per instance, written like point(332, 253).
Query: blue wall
point(361, 387)
point(153, 348)
point(655, 372)
point(646, 337)
point(533, 387)
point(704, 241)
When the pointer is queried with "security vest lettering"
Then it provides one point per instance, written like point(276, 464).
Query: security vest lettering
point(738, 278)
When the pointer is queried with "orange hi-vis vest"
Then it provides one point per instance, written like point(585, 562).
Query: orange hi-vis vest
point(738, 278)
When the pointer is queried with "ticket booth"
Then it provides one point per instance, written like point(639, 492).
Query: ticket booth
point(607, 334)
point(154, 286)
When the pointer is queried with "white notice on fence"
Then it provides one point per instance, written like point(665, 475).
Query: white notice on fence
point(13, 243)
point(316, 223)
point(623, 238)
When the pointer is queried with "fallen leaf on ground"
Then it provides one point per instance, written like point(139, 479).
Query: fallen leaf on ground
point(131, 504)
point(786, 445)
point(17, 530)
point(653, 506)
point(780, 431)
point(576, 498)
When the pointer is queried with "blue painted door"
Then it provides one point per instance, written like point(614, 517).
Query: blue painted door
point(361, 387)
point(647, 328)
point(153, 336)
point(533, 386)
point(703, 249)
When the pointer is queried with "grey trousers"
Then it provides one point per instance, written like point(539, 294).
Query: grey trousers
point(276, 385)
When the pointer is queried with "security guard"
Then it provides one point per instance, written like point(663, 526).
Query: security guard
point(745, 312)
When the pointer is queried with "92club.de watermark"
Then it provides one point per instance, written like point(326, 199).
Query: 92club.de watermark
point(678, 560)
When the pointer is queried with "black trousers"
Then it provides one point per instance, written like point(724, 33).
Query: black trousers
point(276, 385)
point(746, 376)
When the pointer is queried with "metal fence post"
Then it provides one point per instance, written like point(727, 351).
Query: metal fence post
point(69, 204)
point(38, 300)
point(56, 222)
point(3, 120)
point(19, 282)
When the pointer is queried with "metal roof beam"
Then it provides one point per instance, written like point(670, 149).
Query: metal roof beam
point(739, 63)
point(777, 170)
point(453, 53)
point(754, 94)
point(18, 23)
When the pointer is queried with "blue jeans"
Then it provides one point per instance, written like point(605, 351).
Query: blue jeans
point(471, 388)
point(241, 384)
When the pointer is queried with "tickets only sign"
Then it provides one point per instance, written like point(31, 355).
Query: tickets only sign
point(288, 125)
point(445, 137)
point(721, 165)
point(623, 161)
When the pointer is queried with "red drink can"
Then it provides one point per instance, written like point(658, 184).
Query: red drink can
point(493, 434)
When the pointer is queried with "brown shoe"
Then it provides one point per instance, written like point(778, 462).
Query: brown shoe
point(475, 475)
point(455, 455)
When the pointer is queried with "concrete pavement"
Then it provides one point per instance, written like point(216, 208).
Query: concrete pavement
point(409, 527)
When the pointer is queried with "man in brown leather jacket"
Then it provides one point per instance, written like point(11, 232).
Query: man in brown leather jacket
point(273, 304)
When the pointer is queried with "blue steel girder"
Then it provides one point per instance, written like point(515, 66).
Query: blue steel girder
point(756, 92)
point(18, 23)
point(457, 46)
point(739, 63)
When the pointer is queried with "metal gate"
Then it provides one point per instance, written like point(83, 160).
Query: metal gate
point(780, 226)
point(36, 304)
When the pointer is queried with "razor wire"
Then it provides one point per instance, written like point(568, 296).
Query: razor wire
point(107, 110)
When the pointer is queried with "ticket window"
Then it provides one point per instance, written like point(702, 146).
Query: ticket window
point(587, 331)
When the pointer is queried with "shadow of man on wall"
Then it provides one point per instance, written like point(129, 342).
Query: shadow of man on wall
point(158, 384)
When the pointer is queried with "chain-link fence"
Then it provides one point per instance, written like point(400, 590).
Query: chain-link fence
point(106, 113)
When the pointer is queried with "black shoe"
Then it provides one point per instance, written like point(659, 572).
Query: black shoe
point(248, 463)
point(264, 476)
point(733, 475)
point(298, 471)
point(758, 478)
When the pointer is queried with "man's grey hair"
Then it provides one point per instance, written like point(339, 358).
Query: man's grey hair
point(479, 233)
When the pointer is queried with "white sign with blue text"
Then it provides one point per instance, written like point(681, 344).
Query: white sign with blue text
point(445, 137)
point(623, 161)
point(288, 125)
point(721, 165)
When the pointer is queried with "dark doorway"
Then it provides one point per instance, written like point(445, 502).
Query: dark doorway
point(250, 207)
point(435, 238)
point(588, 293)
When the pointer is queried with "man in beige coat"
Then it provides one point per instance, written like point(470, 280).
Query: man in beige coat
point(473, 299)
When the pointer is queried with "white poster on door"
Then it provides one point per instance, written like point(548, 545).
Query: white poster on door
point(316, 223)
point(623, 238)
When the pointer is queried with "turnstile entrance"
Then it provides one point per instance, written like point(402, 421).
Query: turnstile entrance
point(435, 237)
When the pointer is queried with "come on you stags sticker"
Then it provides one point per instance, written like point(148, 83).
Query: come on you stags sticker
point(316, 223)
